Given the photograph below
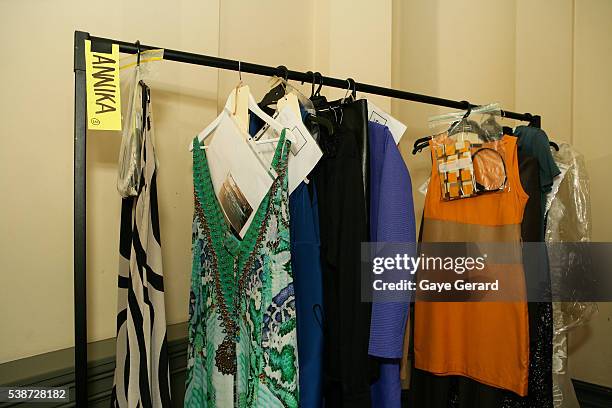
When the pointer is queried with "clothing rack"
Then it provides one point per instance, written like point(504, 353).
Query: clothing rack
point(80, 156)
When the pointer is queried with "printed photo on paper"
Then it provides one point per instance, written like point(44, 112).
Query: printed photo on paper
point(235, 206)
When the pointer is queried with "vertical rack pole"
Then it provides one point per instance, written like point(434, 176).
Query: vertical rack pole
point(80, 226)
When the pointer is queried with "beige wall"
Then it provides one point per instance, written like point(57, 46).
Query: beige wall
point(36, 161)
point(550, 57)
point(257, 32)
point(591, 346)
point(353, 39)
point(36, 211)
point(316, 35)
point(544, 63)
point(456, 50)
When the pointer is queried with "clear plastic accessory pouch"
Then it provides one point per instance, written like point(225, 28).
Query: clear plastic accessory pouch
point(129, 168)
point(468, 153)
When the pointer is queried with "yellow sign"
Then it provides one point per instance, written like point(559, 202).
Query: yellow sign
point(103, 90)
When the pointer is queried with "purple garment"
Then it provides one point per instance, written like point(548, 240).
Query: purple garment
point(391, 220)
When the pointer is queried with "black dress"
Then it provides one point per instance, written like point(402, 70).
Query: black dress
point(341, 177)
point(539, 392)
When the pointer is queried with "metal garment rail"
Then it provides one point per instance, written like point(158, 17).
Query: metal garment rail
point(80, 154)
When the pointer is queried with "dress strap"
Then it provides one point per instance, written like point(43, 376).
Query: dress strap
point(281, 152)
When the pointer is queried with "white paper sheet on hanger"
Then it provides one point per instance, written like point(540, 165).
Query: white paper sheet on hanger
point(305, 152)
point(291, 100)
point(240, 179)
point(376, 114)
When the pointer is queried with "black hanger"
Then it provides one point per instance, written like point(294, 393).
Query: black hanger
point(420, 144)
point(535, 121)
point(468, 111)
point(320, 79)
point(283, 72)
point(319, 120)
point(278, 91)
point(319, 101)
point(554, 145)
point(423, 142)
point(137, 52)
point(312, 82)
point(273, 95)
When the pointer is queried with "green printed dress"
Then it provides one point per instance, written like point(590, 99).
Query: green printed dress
point(242, 319)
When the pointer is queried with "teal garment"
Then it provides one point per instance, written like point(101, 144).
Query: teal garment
point(534, 142)
point(242, 319)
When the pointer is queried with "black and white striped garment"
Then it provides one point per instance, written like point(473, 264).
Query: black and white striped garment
point(142, 370)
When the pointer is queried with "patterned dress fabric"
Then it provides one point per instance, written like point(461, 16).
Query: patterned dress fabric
point(142, 370)
point(242, 315)
point(306, 267)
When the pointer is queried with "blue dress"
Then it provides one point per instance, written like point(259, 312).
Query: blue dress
point(391, 220)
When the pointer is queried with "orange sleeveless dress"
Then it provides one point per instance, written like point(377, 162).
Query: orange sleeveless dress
point(485, 341)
